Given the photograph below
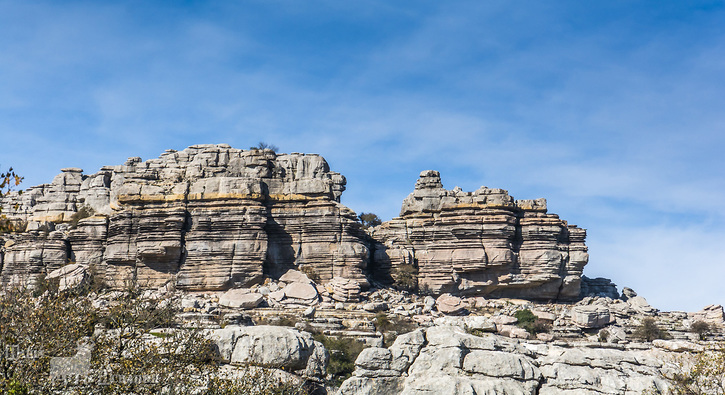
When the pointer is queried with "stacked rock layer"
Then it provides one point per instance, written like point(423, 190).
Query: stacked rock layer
point(212, 217)
point(209, 217)
point(481, 242)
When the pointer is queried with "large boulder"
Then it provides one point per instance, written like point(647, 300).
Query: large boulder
point(450, 305)
point(271, 346)
point(590, 316)
point(240, 298)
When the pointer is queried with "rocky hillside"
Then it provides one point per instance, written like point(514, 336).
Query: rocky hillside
point(243, 265)
point(212, 217)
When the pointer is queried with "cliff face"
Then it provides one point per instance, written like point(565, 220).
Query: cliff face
point(212, 217)
point(481, 242)
point(209, 217)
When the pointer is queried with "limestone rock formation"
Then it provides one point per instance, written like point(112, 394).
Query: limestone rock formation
point(446, 360)
point(209, 217)
point(481, 242)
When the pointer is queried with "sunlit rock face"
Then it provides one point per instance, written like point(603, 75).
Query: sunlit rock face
point(212, 217)
point(209, 217)
point(481, 242)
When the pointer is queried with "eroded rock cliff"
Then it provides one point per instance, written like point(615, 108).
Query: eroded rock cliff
point(209, 217)
point(481, 242)
point(212, 217)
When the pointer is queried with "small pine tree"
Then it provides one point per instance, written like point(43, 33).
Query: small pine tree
point(369, 220)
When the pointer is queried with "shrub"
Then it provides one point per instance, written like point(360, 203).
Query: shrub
point(527, 320)
point(702, 329)
point(382, 322)
point(406, 278)
point(262, 146)
point(125, 360)
point(603, 336)
point(648, 331)
point(9, 180)
point(703, 373)
point(343, 353)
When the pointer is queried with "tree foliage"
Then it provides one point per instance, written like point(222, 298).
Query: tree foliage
point(702, 329)
point(700, 374)
point(369, 220)
point(263, 146)
point(137, 348)
point(648, 330)
point(343, 353)
point(529, 321)
point(8, 181)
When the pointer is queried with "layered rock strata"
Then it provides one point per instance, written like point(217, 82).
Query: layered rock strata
point(209, 217)
point(212, 217)
point(481, 242)
point(447, 360)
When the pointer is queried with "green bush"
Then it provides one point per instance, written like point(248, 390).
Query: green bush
point(343, 353)
point(702, 329)
point(263, 146)
point(406, 278)
point(527, 320)
point(648, 331)
point(700, 373)
point(383, 323)
point(603, 336)
point(178, 361)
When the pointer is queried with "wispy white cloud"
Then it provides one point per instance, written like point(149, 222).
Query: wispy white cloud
point(678, 268)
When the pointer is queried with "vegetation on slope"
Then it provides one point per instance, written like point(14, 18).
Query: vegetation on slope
point(136, 348)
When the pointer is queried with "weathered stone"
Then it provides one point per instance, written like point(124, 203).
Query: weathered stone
point(500, 364)
point(512, 331)
point(70, 276)
point(212, 217)
point(590, 316)
point(451, 305)
point(230, 210)
point(677, 345)
point(344, 290)
point(272, 346)
point(640, 305)
point(598, 287)
point(304, 291)
point(466, 242)
point(294, 276)
point(240, 298)
point(375, 307)
point(712, 314)
point(504, 320)
point(452, 362)
point(31, 256)
point(544, 315)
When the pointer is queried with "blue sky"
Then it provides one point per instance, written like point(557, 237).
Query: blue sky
point(612, 110)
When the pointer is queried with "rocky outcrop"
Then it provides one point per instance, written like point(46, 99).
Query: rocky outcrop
point(447, 360)
point(272, 347)
point(481, 242)
point(211, 218)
